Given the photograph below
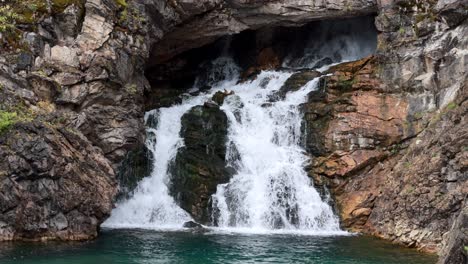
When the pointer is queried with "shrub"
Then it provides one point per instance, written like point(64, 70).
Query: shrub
point(8, 19)
point(7, 119)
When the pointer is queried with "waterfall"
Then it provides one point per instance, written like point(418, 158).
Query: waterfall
point(151, 206)
point(270, 191)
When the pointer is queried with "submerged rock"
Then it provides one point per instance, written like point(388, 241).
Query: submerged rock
point(192, 224)
point(200, 165)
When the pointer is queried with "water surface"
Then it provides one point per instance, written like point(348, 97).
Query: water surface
point(146, 246)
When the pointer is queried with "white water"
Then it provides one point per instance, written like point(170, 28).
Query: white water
point(151, 206)
point(271, 189)
point(271, 192)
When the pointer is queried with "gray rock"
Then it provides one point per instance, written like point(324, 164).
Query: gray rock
point(64, 56)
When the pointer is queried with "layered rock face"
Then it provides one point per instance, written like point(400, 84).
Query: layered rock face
point(388, 133)
point(53, 184)
point(71, 83)
point(394, 173)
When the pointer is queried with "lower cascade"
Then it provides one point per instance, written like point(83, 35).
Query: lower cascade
point(270, 189)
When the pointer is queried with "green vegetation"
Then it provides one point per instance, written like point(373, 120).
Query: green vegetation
point(418, 115)
point(395, 149)
point(8, 18)
point(7, 119)
point(121, 3)
point(451, 106)
point(346, 84)
point(131, 88)
point(402, 31)
point(438, 116)
point(124, 10)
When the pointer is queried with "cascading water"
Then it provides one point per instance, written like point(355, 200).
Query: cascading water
point(270, 191)
point(151, 206)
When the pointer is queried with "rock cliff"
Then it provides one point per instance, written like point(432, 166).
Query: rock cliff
point(387, 133)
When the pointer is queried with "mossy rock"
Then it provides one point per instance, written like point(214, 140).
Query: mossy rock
point(200, 165)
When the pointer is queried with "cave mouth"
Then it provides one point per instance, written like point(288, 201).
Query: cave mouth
point(310, 46)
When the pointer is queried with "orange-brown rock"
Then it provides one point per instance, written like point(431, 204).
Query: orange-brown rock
point(394, 172)
point(266, 59)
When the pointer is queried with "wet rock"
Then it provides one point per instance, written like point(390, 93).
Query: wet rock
point(192, 224)
point(266, 59)
point(136, 165)
point(361, 136)
point(218, 19)
point(210, 104)
point(200, 165)
point(295, 82)
point(219, 96)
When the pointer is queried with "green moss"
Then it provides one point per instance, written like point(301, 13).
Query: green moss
point(346, 84)
point(418, 115)
point(58, 6)
point(7, 119)
point(131, 88)
point(451, 106)
point(123, 16)
point(121, 3)
point(402, 30)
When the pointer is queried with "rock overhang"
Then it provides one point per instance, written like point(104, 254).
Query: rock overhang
point(210, 20)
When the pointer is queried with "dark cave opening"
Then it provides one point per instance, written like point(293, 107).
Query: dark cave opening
point(310, 46)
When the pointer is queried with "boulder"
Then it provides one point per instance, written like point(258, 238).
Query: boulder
point(200, 164)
